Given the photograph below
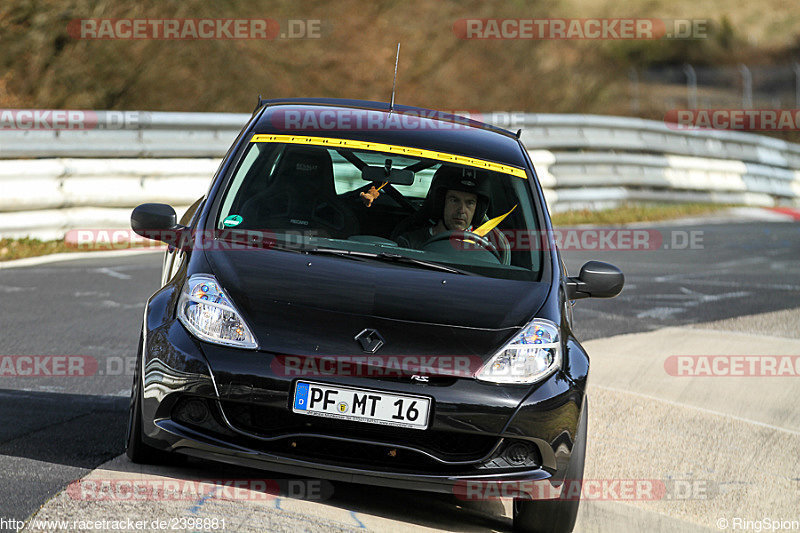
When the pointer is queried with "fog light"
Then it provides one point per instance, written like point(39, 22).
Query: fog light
point(200, 413)
point(195, 411)
point(518, 453)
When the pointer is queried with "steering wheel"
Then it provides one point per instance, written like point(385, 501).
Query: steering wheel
point(466, 236)
point(503, 245)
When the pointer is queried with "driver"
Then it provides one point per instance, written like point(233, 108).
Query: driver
point(460, 199)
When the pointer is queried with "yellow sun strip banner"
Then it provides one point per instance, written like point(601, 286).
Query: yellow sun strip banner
point(390, 148)
point(489, 225)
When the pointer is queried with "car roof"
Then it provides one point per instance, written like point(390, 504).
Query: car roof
point(404, 126)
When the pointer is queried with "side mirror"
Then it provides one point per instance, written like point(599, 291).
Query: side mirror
point(158, 222)
point(596, 280)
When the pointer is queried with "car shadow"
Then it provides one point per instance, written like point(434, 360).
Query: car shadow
point(409, 508)
point(69, 429)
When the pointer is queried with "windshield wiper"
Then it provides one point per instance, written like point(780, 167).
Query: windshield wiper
point(397, 258)
point(336, 251)
point(390, 258)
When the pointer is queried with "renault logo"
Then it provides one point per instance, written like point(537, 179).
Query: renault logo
point(370, 340)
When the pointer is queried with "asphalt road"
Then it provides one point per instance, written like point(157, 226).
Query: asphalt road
point(734, 269)
point(54, 430)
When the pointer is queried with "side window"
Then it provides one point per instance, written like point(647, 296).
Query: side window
point(236, 183)
point(253, 175)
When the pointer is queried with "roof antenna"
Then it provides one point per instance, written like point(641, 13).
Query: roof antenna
point(394, 82)
point(258, 103)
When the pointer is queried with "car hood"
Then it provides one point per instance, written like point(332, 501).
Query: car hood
point(316, 305)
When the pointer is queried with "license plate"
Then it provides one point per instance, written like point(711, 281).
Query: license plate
point(363, 405)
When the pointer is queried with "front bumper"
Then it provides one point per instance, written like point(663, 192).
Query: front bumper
point(240, 414)
point(199, 445)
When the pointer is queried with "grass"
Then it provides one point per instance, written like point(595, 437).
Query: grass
point(20, 248)
point(628, 213)
point(11, 249)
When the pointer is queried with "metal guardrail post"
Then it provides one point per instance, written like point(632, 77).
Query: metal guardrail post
point(747, 87)
point(797, 85)
point(691, 85)
point(633, 77)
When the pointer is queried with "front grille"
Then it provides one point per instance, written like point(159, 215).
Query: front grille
point(271, 422)
point(361, 455)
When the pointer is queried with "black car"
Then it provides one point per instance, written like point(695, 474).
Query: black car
point(370, 294)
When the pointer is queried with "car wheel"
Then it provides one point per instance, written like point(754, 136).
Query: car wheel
point(556, 516)
point(136, 450)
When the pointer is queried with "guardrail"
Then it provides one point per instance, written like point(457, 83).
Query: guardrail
point(138, 134)
point(53, 181)
point(624, 134)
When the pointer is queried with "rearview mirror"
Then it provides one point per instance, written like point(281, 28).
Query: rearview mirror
point(156, 221)
point(596, 280)
point(396, 176)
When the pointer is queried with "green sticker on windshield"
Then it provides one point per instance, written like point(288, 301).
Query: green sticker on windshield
point(232, 221)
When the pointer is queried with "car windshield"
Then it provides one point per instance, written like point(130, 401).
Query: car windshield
point(372, 202)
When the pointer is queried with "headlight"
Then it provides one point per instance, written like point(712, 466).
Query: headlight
point(209, 314)
point(530, 356)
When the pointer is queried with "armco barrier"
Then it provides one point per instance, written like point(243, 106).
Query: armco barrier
point(625, 134)
point(53, 181)
point(153, 134)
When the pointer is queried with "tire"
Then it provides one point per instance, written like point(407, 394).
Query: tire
point(136, 450)
point(555, 516)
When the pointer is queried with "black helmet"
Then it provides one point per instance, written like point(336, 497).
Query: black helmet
point(463, 179)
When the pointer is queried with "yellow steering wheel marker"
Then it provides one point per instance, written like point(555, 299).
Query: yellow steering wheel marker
point(489, 225)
